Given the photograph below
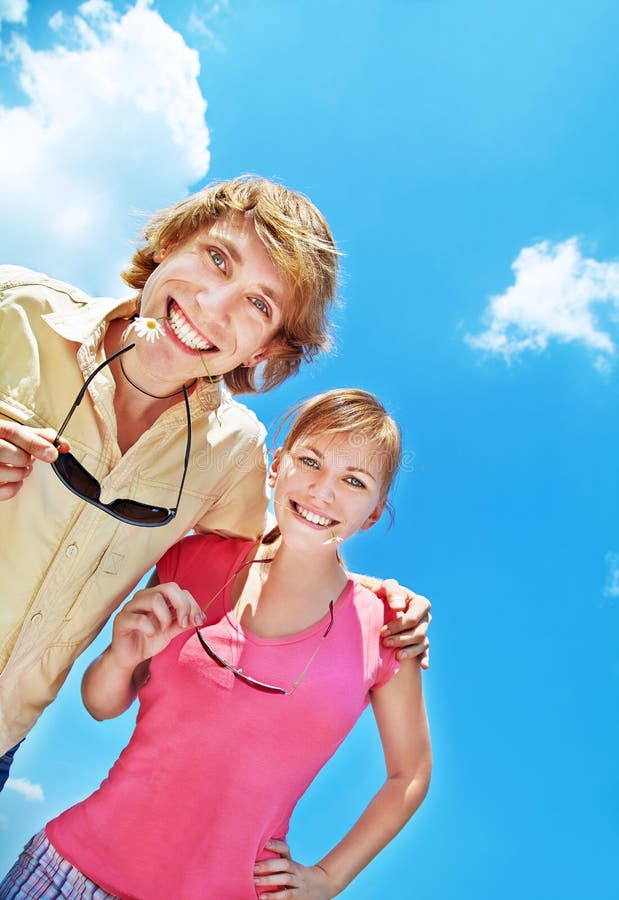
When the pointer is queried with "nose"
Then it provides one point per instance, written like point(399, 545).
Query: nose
point(217, 299)
point(321, 487)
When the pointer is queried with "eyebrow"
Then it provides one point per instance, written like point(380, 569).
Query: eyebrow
point(236, 257)
point(348, 468)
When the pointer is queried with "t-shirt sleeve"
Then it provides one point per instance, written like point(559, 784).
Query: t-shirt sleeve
point(186, 561)
point(388, 663)
point(201, 564)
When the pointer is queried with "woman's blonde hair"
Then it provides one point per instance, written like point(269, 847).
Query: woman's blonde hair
point(298, 240)
point(356, 413)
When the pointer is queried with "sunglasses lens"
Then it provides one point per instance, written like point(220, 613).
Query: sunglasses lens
point(76, 476)
point(136, 512)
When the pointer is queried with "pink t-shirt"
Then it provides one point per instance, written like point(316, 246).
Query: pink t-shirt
point(214, 767)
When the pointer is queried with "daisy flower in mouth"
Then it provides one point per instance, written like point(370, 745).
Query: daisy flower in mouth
point(334, 539)
point(146, 327)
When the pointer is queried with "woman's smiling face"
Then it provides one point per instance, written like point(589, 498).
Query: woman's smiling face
point(327, 487)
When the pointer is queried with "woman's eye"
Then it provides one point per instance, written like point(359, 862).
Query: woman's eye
point(260, 305)
point(355, 482)
point(218, 259)
point(309, 462)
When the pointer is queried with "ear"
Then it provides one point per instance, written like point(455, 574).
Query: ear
point(259, 356)
point(374, 516)
point(274, 468)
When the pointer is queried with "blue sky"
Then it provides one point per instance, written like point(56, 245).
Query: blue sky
point(465, 155)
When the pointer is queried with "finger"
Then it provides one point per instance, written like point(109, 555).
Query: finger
point(395, 595)
point(8, 491)
point(407, 621)
point(186, 610)
point(19, 442)
point(419, 650)
point(160, 612)
point(278, 846)
point(282, 879)
point(417, 607)
point(48, 434)
point(128, 621)
point(9, 474)
point(284, 894)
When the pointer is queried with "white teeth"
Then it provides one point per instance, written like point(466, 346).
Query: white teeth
point(185, 333)
point(313, 518)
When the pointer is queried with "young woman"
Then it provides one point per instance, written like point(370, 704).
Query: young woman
point(237, 717)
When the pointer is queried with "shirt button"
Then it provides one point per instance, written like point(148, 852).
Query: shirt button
point(71, 550)
point(36, 618)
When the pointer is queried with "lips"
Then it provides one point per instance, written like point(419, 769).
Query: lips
point(312, 517)
point(185, 332)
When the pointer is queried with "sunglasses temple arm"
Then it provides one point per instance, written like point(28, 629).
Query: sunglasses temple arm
point(187, 449)
point(84, 388)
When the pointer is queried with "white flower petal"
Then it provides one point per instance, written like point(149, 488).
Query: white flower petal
point(146, 327)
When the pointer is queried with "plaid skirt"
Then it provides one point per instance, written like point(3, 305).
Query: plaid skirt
point(42, 873)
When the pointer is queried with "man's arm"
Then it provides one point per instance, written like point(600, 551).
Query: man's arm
point(408, 632)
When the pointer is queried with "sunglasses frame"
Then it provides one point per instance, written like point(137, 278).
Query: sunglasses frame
point(254, 682)
point(105, 507)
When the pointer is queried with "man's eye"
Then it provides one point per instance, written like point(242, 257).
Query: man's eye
point(218, 259)
point(260, 305)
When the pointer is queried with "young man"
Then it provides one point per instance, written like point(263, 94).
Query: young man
point(242, 273)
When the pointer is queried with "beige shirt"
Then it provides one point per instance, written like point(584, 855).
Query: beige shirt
point(65, 565)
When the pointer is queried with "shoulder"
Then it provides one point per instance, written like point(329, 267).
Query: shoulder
point(368, 606)
point(194, 550)
point(20, 281)
point(241, 418)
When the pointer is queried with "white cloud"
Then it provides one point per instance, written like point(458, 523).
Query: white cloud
point(611, 586)
point(4, 821)
point(28, 790)
point(14, 11)
point(558, 295)
point(114, 123)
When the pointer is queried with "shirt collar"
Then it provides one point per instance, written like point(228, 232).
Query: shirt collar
point(86, 324)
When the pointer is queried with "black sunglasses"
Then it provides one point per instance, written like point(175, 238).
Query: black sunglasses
point(253, 682)
point(74, 476)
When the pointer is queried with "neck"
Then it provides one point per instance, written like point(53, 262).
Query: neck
point(137, 401)
point(288, 594)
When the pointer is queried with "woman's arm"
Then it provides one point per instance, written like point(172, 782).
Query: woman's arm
point(401, 718)
point(143, 627)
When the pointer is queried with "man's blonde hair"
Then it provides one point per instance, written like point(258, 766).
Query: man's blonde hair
point(298, 240)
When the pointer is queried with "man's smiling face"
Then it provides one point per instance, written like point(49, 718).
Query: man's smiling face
point(219, 296)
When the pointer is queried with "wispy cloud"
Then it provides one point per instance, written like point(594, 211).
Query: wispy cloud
point(14, 11)
point(114, 121)
point(611, 585)
point(558, 295)
point(29, 791)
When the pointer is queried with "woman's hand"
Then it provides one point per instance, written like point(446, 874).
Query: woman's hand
point(292, 881)
point(149, 621)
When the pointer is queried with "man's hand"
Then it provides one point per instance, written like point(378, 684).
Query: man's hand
point(20, 446)
point(408, 632)
point(286, 878)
